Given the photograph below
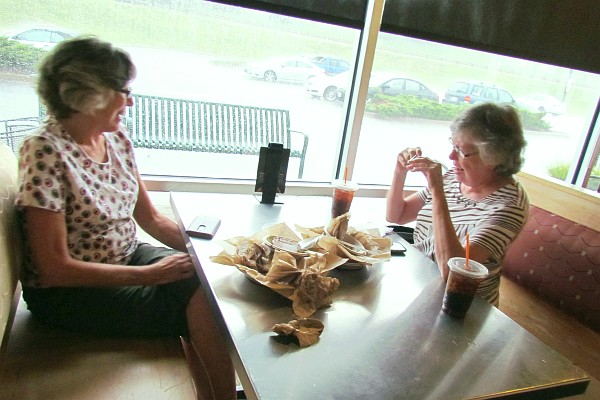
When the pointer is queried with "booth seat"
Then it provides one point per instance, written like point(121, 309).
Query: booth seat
point(559, 260)
point(37, 362)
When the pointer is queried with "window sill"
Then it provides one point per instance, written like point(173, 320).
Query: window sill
point(246, 186)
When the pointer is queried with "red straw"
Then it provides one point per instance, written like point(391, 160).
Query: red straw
point(345, 175)
point(467, 255)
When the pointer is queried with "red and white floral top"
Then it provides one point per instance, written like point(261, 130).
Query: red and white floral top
point(97, 199)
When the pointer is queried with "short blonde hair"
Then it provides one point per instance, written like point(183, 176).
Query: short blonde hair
point(81, 75)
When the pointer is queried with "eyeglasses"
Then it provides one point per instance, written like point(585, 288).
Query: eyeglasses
point(459, 151)
point(125, 91)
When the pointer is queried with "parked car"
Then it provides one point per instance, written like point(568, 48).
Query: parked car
point(331, 65)
point(284, 69)
point(41, 37)
point(326, 86)
point(542, 103)
point(395, 86)
point(473, 93)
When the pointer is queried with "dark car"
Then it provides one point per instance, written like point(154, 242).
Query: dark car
point(331, 65)
point(396, 86)
point(473, 93)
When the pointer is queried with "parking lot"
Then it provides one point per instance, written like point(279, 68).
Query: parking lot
point(189, 76)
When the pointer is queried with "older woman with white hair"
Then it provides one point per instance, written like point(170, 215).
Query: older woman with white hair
point(479, 196)
point(80, 197)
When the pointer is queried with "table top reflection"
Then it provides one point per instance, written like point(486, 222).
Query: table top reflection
point(385, 336)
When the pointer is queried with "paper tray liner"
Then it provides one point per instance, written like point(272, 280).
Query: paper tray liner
point(303, 280)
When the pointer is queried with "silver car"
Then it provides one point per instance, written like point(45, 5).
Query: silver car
point(541, 103)
point(326, 86)
point(41, 37)
point(297, 70)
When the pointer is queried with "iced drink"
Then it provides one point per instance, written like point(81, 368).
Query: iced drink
point(343, 193)
point(462, 285)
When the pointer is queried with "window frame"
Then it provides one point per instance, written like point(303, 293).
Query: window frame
point(355, 101)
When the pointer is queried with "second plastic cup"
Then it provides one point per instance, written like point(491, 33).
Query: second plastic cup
point(462, 285)
point(343, 193)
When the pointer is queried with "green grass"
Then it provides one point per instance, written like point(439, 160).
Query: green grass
point(559, 170)
point(232, 38)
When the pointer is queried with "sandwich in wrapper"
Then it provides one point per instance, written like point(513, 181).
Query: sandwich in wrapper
point(302, 279)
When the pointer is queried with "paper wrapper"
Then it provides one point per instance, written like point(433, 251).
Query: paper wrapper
point(306, 330)
point(377, 247)
point(303, 280)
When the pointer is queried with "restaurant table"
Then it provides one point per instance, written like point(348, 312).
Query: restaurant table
point(385, 335)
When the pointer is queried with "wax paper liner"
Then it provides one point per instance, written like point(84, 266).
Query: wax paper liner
point(306, 330)
point(303, 280)
point(377, 247)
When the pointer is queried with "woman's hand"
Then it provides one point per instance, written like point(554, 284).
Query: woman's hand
point(430, 168)
point(171, 268)
point(406, 155)
point(400, 209)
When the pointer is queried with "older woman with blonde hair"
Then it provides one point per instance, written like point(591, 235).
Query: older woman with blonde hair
point(80, 197)
point(478, 196)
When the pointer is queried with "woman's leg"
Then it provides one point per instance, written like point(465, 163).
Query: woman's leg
point(213, 370)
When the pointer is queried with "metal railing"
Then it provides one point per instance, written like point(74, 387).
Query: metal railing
point(13, 131)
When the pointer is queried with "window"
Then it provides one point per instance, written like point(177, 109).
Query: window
point(460, 87)
point(412, 86)
point(477, 91)
point(200, 50)
point(462, 76)
point(491, 94)
point(206, 51)
point(505, 97)
point(394, 85)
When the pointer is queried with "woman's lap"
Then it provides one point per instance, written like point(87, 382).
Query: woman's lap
point(146, 311)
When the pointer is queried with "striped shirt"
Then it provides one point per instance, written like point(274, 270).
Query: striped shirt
point(493, 222)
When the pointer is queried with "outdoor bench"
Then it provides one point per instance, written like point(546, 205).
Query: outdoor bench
point(193, 125)
point(12, 131)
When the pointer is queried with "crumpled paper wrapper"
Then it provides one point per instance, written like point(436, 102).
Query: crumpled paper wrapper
point(303, 280)
point(377, 247)
point(306, 330)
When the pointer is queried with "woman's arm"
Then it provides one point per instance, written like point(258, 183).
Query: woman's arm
point(447, 244)
point(154, 223)
point(47, 243)
point(402, 209)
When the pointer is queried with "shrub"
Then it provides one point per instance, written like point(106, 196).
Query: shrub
point(411, 107)
point(393, 107)
point(533, 121)
point(19, 58)
point(558, 170)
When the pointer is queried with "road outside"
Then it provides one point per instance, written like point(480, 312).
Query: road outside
point(190, 76)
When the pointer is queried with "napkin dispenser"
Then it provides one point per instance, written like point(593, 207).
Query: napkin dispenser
point(272, 171)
